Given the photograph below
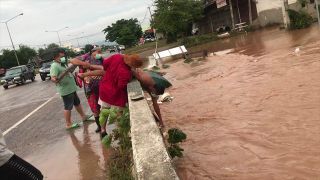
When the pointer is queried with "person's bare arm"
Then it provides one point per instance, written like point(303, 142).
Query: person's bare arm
point(92, 73)
point(76, 61)
point(157, 110)
point(54, 79)
point(96, 67)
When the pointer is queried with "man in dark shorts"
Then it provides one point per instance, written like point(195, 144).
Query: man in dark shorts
point(66, 87)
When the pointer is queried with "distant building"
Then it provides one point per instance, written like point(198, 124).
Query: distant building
point(270, 11)
point(219, 13)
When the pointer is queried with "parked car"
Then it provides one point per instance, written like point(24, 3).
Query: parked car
point(18, 75)
point(149, 39)
point(44, 71)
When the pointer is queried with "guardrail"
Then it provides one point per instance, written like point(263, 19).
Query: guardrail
point(150, 157)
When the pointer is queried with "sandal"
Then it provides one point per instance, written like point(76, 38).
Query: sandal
point(88, 118)
point(73, 126)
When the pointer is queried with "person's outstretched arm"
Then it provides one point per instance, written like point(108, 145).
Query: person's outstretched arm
point(96, 67)
point(157, 109)
point(93, 73)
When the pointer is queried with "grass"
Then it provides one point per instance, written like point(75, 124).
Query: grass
point(120, 166)
point(145, 47)
point(192, 43)
point(120, 163)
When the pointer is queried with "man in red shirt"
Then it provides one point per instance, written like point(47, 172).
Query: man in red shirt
point(116, 72)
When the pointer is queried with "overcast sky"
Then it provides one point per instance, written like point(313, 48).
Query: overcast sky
point(88, 16)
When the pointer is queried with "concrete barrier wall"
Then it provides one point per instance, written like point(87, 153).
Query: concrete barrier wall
point(150, 156)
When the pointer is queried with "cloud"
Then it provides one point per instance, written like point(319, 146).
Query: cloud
point(85, 16)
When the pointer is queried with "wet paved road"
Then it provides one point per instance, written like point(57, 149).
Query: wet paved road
point(42, 138)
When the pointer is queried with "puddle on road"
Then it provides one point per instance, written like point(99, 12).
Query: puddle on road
point(249, 116)
point(79, 155)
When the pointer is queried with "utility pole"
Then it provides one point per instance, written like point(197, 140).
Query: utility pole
point(286, 20)
point(231, 13)
point(154, 31)
point(250, 12)
point(318, 13)
point(14, 49)
point(57, 31)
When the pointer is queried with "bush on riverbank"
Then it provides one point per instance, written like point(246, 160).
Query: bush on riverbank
point(199, 39)
point(299, 20)
point(120, 163)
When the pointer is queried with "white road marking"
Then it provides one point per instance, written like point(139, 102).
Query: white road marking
point(27, 116)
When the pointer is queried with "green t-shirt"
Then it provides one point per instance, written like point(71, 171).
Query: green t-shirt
point(67, 85)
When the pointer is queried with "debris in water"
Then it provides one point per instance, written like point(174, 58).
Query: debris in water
point(166, 97)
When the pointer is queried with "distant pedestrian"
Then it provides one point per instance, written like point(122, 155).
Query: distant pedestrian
point(12, 167)
point(66, 87)
point(91, 84)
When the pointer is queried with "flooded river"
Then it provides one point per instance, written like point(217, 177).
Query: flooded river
point(253, 113)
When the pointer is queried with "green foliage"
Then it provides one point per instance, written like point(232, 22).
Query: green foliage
point(120, 166)
point(70, 53)
point(188, 60)
point(24, 53)
point(40, 51)
point(176, 136)
point(199, 39)
point(87, 48)
point(155, 68)
point(299, 20)
point(174, 17)
point(303, 3)
point(52, 45)
point(125, 32)
point(121, 163)
point(175, 151)
point(165, 66)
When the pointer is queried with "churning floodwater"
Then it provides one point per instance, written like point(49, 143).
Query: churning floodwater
point(253, 113)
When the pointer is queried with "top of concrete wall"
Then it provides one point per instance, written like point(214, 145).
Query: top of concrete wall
point(150, 156)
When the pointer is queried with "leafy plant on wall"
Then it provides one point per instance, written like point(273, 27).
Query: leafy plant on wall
point(175, 137)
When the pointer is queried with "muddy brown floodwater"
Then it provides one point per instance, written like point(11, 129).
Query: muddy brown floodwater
point(253, 113)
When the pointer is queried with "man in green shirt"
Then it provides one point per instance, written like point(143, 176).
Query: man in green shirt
point(66, 87)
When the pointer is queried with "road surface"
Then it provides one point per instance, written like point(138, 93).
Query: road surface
point(31, 115)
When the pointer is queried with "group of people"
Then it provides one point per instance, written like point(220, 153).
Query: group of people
point(104, 81)
point(105, 85)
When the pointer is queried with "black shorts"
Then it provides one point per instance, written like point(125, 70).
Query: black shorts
point(70, 100)
point(17, 168)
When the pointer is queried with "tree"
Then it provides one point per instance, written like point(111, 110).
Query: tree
point(87, 48)
point(40, 51)
point(70, 53)
point(24, 53)
point(52, 45)
point(173, 17)
point(126, 32)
